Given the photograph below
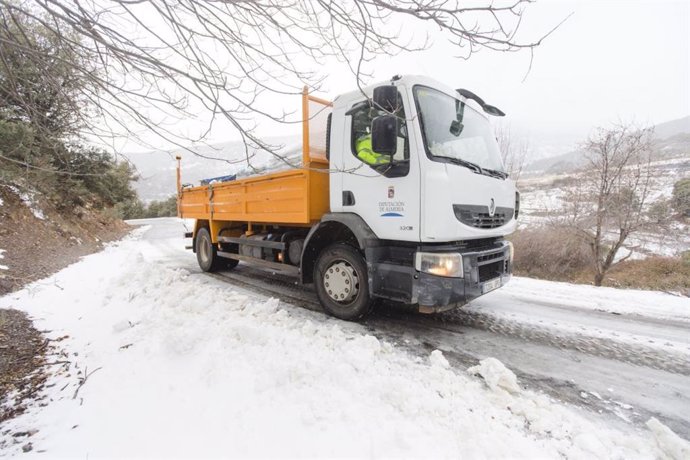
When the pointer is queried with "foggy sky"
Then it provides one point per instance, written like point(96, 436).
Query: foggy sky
point(612, 60)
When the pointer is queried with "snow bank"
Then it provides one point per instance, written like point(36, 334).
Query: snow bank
point(180, 365)
point(437, 359)
point(668, 441)
point(496, 375)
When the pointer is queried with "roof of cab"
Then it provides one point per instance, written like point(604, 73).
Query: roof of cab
point(347, 99)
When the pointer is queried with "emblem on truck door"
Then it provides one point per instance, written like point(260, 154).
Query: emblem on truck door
point(492, 208)
point(391, 208)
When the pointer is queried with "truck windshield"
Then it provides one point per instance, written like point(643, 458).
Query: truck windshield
point(456, 132)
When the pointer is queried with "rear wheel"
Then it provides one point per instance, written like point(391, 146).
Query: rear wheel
point(207, 253)
point(341, 282)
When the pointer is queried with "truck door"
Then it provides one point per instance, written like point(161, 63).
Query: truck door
point(386, 195)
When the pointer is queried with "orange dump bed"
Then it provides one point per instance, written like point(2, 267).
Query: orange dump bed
point(295, 196)
point(298, 196)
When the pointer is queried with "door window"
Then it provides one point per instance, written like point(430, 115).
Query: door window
point(396, 166)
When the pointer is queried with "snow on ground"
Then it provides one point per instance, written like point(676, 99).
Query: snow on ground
point(29, 201)
point(3, 267)
point(650, 304)
point(653, 319)
point(179, 365)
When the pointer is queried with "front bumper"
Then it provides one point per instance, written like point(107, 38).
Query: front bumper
point(485, 269)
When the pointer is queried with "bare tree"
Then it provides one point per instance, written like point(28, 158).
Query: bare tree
point(513, 151)
point(147, 63)
point(609, 201)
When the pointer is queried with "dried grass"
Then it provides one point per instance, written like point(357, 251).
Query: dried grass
point(558, 254)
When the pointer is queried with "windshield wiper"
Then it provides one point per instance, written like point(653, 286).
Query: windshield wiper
point(476, 168)
point(496, 173)
point(468, 164)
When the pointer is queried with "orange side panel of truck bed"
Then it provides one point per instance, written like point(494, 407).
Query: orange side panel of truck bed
point(293, 197)
point(298, 197)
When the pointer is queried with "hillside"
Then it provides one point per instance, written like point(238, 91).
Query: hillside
point(37, 240)
point(672, 140)
point(156, 168)
point(672, 128)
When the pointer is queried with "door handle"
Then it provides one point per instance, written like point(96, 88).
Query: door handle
point(348, 198)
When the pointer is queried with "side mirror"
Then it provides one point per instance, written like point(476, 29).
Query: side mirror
point(386, 98)
point(384, 134)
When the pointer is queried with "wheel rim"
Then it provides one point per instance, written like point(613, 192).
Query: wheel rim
point(205, 250)
point(341, 282)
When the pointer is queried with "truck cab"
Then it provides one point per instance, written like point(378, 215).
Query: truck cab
point(415, 208)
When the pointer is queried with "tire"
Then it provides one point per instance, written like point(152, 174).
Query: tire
point(207, 253)
point(229, 264)
point(341, 271)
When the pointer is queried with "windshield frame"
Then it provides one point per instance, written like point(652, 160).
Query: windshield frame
point(502, 173)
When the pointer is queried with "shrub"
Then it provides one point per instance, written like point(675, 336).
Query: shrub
point(554, 253)
point(566, 181)
point(135, 209)
point(658, 273)
point(685, 257)
point(681, 196)
point(558, 254)
point(130, 209)
point(164, 208)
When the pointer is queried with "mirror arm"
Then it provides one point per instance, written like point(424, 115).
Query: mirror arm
point(490, 109)
point(358, 106)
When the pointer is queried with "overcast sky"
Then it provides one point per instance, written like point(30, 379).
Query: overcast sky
point(611, 60)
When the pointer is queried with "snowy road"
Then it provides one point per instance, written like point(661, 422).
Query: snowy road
point(622, 353)
point(153, 358)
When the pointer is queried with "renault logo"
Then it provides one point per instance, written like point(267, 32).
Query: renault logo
point(492, 208)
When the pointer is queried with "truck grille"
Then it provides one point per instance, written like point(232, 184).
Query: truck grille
point(478, 216)
point(485, 258)
point(490, 271)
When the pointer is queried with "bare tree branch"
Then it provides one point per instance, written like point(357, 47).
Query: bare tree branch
point(514, 151)
point(144, 64)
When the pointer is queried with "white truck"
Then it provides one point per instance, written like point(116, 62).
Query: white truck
point(402, 195)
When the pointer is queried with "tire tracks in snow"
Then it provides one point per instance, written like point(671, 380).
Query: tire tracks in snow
point(455, 321)
point(635, 354)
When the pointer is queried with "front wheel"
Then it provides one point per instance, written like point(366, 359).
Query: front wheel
point(341, 282)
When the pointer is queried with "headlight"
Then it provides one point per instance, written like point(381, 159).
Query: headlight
point(440, 264)
point(511, 250)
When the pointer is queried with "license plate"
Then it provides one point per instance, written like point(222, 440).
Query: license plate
point(491, 285)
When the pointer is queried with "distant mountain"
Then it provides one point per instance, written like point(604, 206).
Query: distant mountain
point(157, 168)
point(672, 140)
point(675, 146)
point(558, 164)
point(672, 128)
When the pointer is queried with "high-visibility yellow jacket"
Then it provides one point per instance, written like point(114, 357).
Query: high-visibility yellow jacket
point(367, 154)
